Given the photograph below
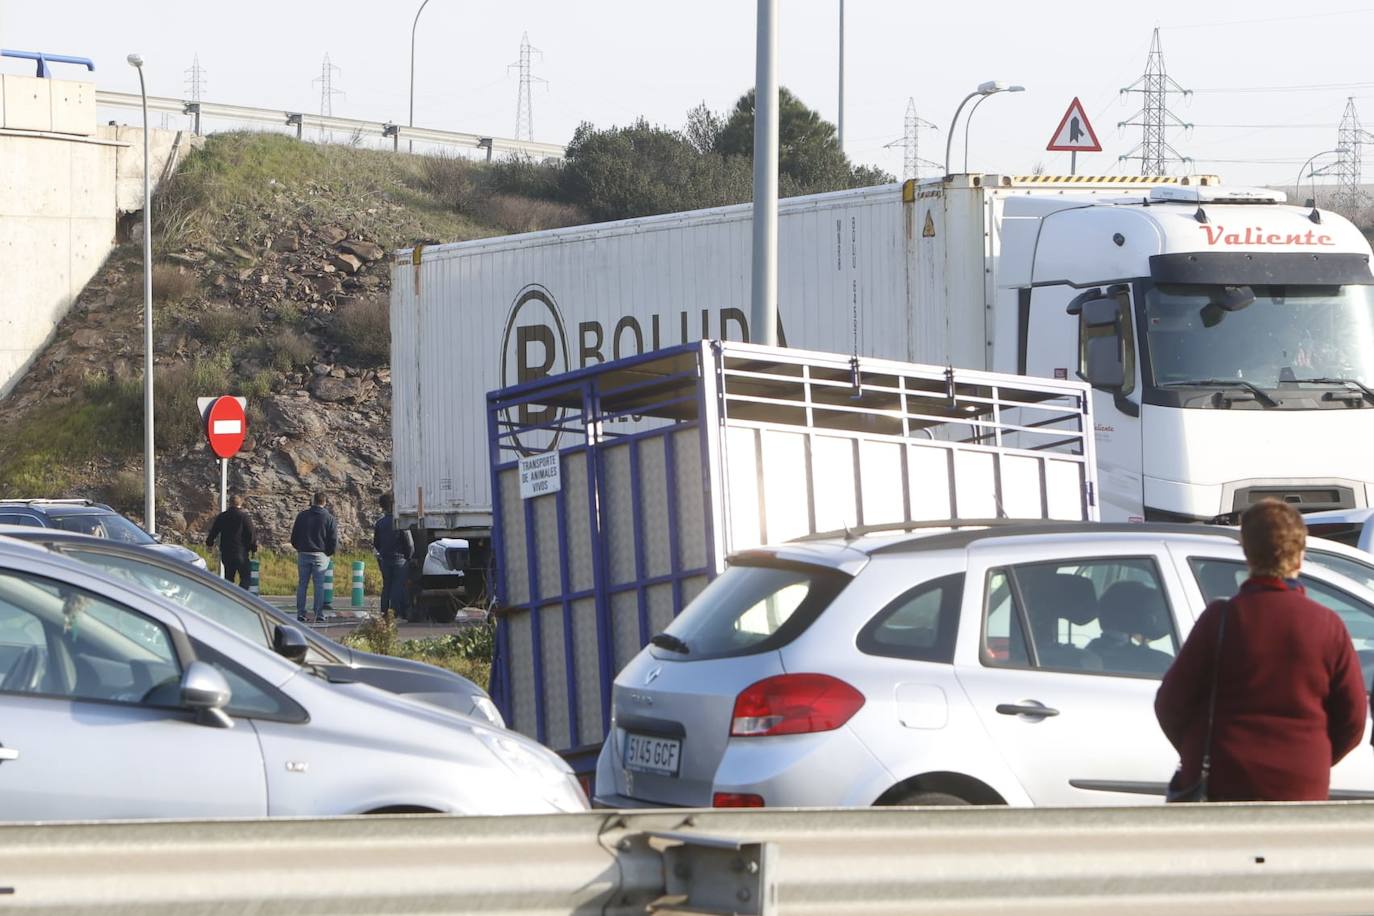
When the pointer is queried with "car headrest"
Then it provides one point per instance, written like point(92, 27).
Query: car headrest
point(1064, 595)
point(1134, 607)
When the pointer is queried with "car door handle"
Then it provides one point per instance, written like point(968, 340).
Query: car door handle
point(1035, 710)
point(9, 753)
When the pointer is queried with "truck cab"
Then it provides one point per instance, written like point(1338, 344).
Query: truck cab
point(1229, 338)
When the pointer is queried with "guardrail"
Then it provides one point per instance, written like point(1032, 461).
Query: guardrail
point(301, 121)
point(1216, 859)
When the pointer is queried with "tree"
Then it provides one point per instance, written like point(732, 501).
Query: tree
point(809, 153)
point(703, 129)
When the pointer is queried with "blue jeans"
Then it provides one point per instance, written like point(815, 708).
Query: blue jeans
point(310, 566)
point(394, 587)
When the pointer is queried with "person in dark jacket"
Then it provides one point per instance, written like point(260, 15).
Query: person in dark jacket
point(315, 539)
point(1290, 698)
point(394, 548)
point(234, 530)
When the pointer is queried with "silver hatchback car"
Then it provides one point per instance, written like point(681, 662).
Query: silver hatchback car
point(993, 665)
point(117, 704)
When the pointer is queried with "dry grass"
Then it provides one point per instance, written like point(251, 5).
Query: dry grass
point(172, 284)
point(218, 327)
point(453, 181)
point(290, 350)
point(363, 329)
point(515, 213)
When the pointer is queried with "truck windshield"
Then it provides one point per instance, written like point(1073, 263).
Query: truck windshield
point(1287, 334)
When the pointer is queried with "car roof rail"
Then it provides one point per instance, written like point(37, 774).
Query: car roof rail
point(62, 502)
point(854, 533)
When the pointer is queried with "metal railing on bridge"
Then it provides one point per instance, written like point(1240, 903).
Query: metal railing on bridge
point(330, 129)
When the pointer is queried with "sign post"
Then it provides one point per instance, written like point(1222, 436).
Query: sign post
point(1074, 134)
point(226, 426)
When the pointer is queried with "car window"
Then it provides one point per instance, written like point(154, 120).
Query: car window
point(250, 697)
point(1347, 533)
point(919, 624)
point(752, 608)
point(109, 525)
point(182, 589)
point(1107, 616)
point(1349, 567)
point(72, 643)
point(19, 520)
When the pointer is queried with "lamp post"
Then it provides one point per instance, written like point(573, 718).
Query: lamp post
point(840, 123)
point(410, 144)
point(763, 312)
point(149, 503)
point(984, 89)
point(974, 110)
point(1338, 151)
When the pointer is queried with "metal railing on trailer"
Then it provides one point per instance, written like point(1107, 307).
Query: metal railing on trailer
point(642, 475)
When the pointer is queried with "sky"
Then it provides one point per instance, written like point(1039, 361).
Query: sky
point(1269, 79)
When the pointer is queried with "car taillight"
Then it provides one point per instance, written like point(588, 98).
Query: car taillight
point(794, 704)
point(736, 800)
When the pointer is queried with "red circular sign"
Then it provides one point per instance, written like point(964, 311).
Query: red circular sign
point(226, 426)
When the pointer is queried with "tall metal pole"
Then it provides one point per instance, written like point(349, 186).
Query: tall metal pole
point(410, 144)
point(840, 124)
point(763, 316)
point(949, 138)
point(149, 478)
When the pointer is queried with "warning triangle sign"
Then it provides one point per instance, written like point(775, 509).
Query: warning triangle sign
point(1074, 133)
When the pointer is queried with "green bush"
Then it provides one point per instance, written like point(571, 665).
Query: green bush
point(290, 350)
point(225, 326)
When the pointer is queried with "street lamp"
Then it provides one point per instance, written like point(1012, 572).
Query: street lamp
point(992, 87)
point(149, 514)
point(974, 110)
point(410, 144)
point(1338, 151)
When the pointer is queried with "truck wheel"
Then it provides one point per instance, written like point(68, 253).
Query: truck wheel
point(929, 800)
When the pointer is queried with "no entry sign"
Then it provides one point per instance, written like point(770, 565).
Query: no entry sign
point(225, 426)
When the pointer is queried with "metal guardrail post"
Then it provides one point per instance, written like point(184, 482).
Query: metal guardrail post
point(485, 143)
point(394, 132)
point(295, 118)
point(193, 109)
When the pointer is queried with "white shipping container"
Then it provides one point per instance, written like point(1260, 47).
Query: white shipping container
point(473, 317)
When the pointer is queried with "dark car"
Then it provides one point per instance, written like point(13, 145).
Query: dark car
point(254, 619)
point(86, 517)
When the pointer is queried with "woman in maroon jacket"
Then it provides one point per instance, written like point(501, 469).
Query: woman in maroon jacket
point(1290, 699)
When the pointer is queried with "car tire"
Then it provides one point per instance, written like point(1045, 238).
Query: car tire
point(443, 613)
point(929, 800)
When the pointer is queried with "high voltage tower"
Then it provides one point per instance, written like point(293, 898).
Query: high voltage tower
point(1350, 136)
point(910, 142)
point(195, 79)
point(327, 90)
point(1154, 117)
point(524, 113)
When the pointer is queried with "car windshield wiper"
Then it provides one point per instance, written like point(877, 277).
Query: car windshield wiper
point(1260, 394)
point(1364, 389)
point(670, 642)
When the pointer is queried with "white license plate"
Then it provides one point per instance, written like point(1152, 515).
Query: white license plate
point(651, 754)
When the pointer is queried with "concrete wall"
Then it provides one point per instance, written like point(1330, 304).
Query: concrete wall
point(62, 182)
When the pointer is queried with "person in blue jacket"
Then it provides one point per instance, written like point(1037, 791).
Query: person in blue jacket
point(315, 537)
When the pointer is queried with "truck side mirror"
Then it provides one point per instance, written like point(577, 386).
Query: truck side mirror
point(1105, 344)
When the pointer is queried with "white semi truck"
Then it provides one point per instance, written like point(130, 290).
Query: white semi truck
point(1229, 337)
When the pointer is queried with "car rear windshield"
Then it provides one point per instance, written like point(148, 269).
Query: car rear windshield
point(103, 525)
point(752, 607)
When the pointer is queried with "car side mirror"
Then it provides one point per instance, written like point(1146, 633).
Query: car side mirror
point(289, 643)
point(205, 691)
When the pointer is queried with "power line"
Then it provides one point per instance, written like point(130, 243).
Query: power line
point(1154, 117)
point(327, 91)
point(524, 110)
point(1207, 25)
point(910, 142)
point(1301, 87)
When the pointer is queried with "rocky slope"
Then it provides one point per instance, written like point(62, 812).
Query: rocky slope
point(271, 282)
